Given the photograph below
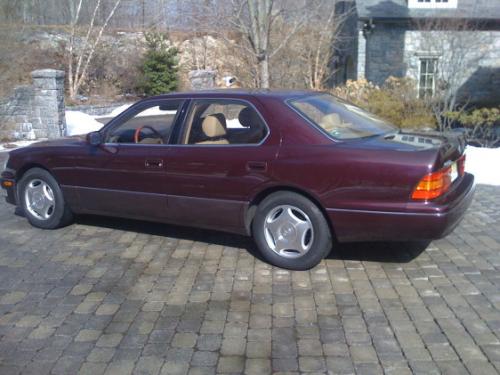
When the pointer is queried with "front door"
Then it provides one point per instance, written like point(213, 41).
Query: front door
point(125, 176)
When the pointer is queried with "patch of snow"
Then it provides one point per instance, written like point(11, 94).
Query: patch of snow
point(234, 123)
point(484, 164)
point(153, 111)
point(118, 110)
point(80, 123)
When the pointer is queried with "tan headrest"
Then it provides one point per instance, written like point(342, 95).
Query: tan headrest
point(214, 125)
point(330, 122)
point(246, 117)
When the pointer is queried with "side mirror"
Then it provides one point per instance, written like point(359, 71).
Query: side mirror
point(94, 138)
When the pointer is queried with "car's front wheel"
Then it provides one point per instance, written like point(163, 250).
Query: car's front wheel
point(42, 200)
point(290, 231)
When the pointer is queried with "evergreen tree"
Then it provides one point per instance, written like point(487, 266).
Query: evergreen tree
point(160, 66)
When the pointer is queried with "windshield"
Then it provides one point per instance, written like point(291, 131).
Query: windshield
point(340, 119)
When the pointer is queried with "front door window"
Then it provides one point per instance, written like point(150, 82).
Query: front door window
point(149, 125)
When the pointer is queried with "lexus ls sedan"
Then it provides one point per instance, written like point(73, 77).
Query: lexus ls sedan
point(297, 170)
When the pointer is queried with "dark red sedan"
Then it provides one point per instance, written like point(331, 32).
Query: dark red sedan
point(292, 169)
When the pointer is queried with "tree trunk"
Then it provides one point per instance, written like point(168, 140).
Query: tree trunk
point(263, 65)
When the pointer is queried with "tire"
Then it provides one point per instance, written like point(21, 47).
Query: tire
point(38, 185)
point(291, 232)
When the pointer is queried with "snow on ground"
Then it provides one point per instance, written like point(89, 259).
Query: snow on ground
point(80, 123)
point(153, 111)
point(120, 109)
point(484, 164)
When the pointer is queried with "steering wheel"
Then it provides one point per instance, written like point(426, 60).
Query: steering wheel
point(138, 132)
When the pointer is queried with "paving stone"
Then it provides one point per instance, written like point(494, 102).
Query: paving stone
point(312, 364)
point(109, 340)
point(81, 289)
point(204, 359)
point(184, 340)
point(285, 365)
point(209, 342)
point(309, 347)
point(148, 366)
point(339, 365)
point(107, 309)
point(173, 367)
point(101, 355)
point(363, 354)
point(67, 365)
point(122, 367)
point(231, 364)
point(193, 370)
point(12, 298)
point(233, 346)
point(88, 335)
point(89, 368)
point(258, 366)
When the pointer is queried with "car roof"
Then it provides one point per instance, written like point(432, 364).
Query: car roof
point(239, 94)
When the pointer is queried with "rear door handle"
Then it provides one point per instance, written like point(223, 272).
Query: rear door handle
point(153, 163)
point(257, 166)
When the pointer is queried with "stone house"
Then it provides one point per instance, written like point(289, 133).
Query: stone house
point(439, 43)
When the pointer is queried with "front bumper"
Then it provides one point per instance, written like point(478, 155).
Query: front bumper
point(418, 222)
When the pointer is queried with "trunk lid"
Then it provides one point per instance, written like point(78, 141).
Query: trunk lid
point(444, 148)
point(450, 146)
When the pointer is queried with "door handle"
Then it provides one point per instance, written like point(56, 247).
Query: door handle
point(257, 166)
point(153, 163)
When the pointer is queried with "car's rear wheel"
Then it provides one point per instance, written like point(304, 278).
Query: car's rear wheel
point(42, 200)
point(290, 231)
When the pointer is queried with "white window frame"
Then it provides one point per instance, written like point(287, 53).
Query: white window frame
point(436, 62)
point(432, 4)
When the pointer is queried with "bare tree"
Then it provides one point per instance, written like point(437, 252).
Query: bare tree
point(454, 46)
point(319, 40)
point(80, 58)
point(256, 21)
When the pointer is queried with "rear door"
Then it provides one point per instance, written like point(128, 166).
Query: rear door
point(223, 155)
point(125, 176)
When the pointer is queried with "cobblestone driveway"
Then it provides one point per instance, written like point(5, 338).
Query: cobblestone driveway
point(119, 297)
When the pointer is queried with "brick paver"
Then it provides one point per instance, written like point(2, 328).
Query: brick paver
point(108, 296)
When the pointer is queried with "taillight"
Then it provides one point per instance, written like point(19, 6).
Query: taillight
point(433, 185)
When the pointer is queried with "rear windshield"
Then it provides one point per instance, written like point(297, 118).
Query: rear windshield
point(340, 119)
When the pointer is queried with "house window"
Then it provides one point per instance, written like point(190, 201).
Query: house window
point(427, 81)
point(432, 4)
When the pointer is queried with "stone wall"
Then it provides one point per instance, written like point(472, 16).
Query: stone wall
point(385, 45)
point(471, 59)
point(35, 111)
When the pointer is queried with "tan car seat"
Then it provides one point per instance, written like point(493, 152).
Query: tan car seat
point(254, 132)
point(214, 128)
point(331, 122)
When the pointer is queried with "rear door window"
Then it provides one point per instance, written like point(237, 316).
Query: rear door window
point(223, 122)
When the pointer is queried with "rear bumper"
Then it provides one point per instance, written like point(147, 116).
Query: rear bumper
point(420, 221)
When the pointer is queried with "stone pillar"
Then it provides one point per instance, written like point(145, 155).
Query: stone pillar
point(48, 116)
point(361, 72)
point(202, 79)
